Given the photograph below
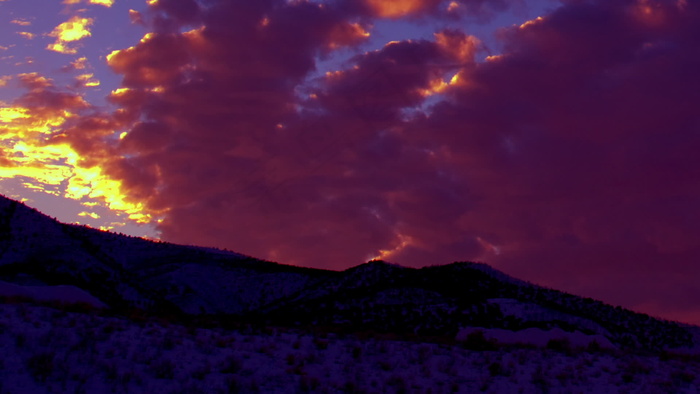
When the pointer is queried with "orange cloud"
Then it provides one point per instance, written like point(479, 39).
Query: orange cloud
point(27, 35)
point(457, 44)
point(75, 29)
point(106, 3)
point(21, 22)
point(87, 80)
point(346, 34)
point(79, 64)
point(396, 8)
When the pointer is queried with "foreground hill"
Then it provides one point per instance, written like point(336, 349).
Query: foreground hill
point(125, 273)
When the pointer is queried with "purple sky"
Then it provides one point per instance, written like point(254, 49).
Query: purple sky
point(556, 141)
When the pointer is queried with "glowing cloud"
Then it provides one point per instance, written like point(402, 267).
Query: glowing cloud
point(21, 22)
point(402, 242)
point(395, 8)
point(106, 3)
point(34, 146)
point(458, 45)
point(346, 34)
point(79, 64)
point(27, 35)
point(87, 80)
point(75, 29)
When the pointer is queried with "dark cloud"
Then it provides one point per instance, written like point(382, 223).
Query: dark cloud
point(479, 10)
point(579, 145)
point(570, 159)
point(44, 101)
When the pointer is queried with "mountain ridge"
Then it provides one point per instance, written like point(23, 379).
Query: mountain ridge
point(128, 273)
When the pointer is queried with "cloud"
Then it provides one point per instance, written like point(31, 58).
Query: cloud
point(27, 35)
point(396, 9)
point(570, 159)
point(75, 29)
point(577, 144)
point(136, 17)
point(80, 63)
point(106, 3)
point(422, 9)
point(21, 22)
point(57, 140)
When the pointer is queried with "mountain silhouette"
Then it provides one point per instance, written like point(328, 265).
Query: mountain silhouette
point(128, 273)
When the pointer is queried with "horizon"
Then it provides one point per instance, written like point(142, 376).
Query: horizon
point(554, 140)
point(473, 264)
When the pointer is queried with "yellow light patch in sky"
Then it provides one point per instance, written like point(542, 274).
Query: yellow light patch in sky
point(436, 86)
point(75, 29)
point(403, 242)
point(88, 80)
point(532, 22)
point(26, 151)
point(89, 214)
point(8, 114)
point(106, 3)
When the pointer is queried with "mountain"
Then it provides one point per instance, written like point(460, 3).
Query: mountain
point(448, 301)
point(133, 273)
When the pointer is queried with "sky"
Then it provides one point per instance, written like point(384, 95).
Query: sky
point(554, 140)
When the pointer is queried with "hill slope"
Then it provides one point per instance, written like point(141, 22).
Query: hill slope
point(125, 273)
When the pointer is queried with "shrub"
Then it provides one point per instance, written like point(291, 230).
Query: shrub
point(356, 352)
point(41, 365)
point(321, 344)
point(231, 365)
point(682, 377)
point(385, 365)
point(594, 347)
point(308, 384)
point(477, 341)
point(560, 345)
point(496, 369)
point(163, 369)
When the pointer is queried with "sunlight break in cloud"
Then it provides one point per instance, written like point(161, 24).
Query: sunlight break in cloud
point(32, 146)
point(75, 29)
point(106, 3)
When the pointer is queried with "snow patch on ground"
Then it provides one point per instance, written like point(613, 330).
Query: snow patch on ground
point(62, 294)
point(536, 337)
point(532, 312)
